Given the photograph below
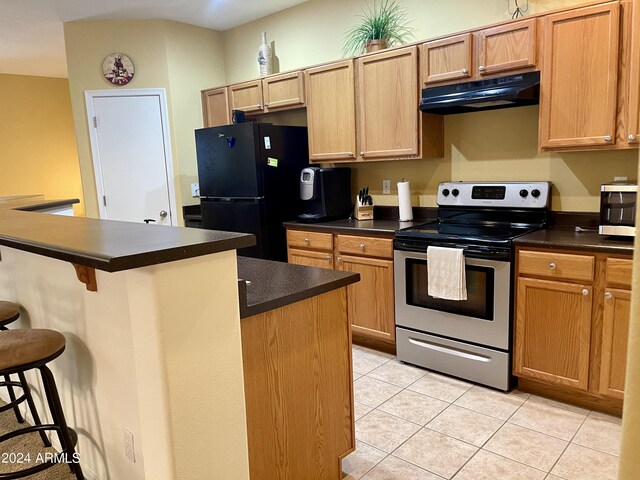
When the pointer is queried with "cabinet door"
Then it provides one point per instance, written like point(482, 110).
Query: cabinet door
point(553, 330)
point(388, 112)
point(311, 258)
point(370, 301)
point(633, 135)
point(215, 107)
point(579, 77)
point(615, 332)
point(507, 47)
point(331, 112)
point(246, 96)
point(446, 59)
point(283, 91)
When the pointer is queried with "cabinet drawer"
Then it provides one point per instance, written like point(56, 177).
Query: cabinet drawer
point(556, 265)
point(366, 246)
point(318, 241)
point(619, 271)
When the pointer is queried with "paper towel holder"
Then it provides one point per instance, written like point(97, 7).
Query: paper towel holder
point(405, 209)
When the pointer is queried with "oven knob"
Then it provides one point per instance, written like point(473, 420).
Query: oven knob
point(455, 192)
point(524, 193)
point(535, 193)
point(445, 192)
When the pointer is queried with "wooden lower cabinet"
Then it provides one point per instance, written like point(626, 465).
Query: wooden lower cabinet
point(615, 333)
point(311, 258)
point(571, 336)
point(370, 301)
point(553, 328)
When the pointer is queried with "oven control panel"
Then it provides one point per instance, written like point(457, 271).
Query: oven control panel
point(495, 194)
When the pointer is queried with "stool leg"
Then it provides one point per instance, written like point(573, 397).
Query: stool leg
point(58, 419)
point(32, 407)
point(12, 397)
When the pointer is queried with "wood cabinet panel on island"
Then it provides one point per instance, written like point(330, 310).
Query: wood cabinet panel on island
point(370, 301)
point(571, 325)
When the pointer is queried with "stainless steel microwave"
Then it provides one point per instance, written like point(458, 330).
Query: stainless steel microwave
point(618, 209)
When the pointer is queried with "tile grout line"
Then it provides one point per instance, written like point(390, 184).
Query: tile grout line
point(567, 446)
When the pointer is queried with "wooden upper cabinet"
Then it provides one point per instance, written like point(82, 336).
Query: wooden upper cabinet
point(331, 112)
point(615, 333)
point(553, 331)
point(446, 59)
point(283, 91)
point(215, 107)
point(246, 96)
point(387, 102)
point(579, 77)
point(633, 131)
point(507, 47)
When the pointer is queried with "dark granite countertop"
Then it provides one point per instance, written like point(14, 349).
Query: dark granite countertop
point(277, 284)
point(567, 237)
point(104, 244)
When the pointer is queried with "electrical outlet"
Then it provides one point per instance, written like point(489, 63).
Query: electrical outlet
point(129, 447)
point(386, 187)
point(195, 190)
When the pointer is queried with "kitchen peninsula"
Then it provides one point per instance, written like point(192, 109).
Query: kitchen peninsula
point(155, 342)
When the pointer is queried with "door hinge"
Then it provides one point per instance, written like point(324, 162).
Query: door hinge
point(95, 122)
point(104, 200)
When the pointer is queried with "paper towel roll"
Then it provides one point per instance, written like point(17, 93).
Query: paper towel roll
point(404, 201)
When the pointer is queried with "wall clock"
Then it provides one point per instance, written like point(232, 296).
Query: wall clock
point(118, 69)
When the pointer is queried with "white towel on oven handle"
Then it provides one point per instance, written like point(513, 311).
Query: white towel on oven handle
point(446, 273)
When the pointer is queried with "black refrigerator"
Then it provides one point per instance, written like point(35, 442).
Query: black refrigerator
point(249, 176)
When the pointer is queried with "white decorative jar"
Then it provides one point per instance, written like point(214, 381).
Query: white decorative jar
point(265, 60)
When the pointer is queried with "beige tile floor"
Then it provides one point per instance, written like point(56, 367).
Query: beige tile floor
point(412, 424)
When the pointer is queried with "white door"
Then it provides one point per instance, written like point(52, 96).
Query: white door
point(131, 155)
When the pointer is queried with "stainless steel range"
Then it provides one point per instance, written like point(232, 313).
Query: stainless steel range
point(468, 338)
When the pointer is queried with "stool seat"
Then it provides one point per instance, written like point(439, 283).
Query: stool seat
point(9, 312)
point(26, 346)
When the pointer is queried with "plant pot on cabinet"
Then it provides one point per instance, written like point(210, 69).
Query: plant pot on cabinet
point(375, 45)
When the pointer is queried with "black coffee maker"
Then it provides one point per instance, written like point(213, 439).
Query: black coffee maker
point(325, 194)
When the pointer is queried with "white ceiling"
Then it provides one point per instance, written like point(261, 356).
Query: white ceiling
point(32, 40)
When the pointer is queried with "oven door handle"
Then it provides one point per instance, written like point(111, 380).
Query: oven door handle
point(471, 252)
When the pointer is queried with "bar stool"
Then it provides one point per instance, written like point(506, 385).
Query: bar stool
point(10, 312)
point(26, 349)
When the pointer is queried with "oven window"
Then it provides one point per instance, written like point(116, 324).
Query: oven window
point(479, 302)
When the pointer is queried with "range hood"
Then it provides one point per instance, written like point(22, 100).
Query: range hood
point(504, 92)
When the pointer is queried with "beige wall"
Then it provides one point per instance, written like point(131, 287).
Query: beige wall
point(499, 145)
point(179, 58)
point(38, 149)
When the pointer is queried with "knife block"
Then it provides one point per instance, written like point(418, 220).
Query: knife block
point(363, 212)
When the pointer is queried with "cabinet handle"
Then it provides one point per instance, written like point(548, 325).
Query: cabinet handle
point(328, 258)
point(339, 259)
point(362, 154)
point(607, 138)
point(608, 295)
point(585, 291)
point(552, 266)
point(351, 154)
point(307, 241)
point(259, 106)
point(362, 245)
point(481, 68)
point(465, 71)
point(632, 138)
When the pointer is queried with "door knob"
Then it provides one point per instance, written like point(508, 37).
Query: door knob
point(608, 138)
point(163, 213)
point(608, 295)
point(481, 68)
point(632, 138)
point(585, 291)
point(552, 266)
